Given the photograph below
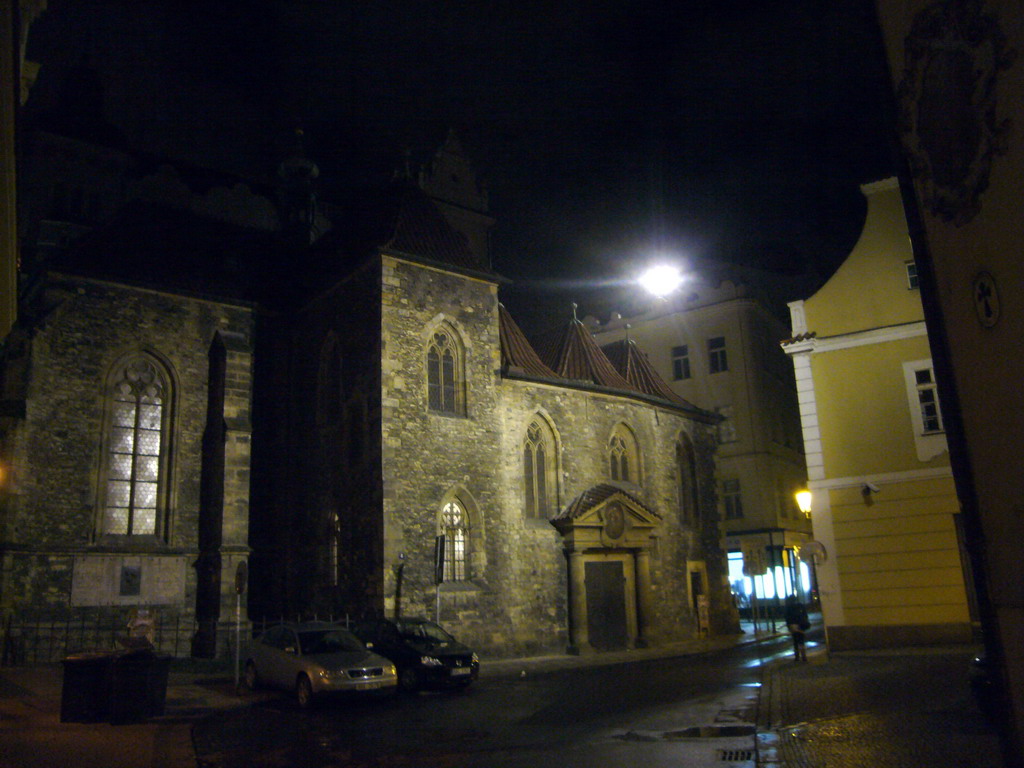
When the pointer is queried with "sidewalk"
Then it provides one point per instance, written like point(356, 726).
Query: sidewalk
point(894, 708)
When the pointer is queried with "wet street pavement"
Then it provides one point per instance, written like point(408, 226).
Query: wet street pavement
point(906, 708)
point(656, 712)
point(730, 702)
point(742, 707)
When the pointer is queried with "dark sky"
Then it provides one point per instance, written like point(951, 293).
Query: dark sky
point(604, 130)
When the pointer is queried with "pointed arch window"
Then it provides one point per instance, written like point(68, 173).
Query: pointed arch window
point(334, 552)
point(686, 466)
point(455, 529)
point(539, 470)
point(136, 456)
point(444, 373)
point(329, 394)
point(623, 456)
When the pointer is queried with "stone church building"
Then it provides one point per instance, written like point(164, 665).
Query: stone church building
point(352, 416)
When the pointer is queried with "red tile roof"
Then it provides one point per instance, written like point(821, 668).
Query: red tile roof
point(595, 495)
point(516, 351)
point(575, 355)
point(421, 230)
point(634, 366)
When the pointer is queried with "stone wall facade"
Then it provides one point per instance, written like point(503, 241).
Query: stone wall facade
point(55, 437)
point(514, 600)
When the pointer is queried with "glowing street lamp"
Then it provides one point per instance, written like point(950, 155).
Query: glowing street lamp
point(803, 500)
point(660, 280)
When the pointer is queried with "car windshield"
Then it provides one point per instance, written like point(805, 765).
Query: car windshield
point(329, 641)
point(424, 632)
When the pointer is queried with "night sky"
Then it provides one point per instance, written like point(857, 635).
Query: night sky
point(605, 131)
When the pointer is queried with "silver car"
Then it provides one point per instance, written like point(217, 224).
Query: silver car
point(316, 658)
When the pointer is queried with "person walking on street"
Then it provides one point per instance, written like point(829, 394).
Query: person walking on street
point(798, 624)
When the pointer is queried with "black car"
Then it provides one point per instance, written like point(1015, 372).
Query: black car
point(426, 655)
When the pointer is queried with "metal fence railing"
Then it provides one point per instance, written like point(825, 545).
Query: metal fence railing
point(37, 641)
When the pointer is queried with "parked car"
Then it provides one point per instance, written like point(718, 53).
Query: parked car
point(316, 658)
point(425, 654)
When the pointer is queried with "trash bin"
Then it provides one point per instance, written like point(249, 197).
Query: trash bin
point(85, 689)
point(138, 686)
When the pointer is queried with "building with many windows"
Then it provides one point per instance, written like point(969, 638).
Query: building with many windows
point(717, 346)
point(884, 505)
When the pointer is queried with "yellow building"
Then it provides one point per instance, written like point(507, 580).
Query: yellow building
point(884, 504)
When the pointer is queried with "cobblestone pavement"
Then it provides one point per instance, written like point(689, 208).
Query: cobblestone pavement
point(903, 708)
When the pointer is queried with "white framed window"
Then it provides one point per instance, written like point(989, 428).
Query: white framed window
point(732, 499)
point(680, 362)
point(925, 409)
point(718, 360)
point(911, 268)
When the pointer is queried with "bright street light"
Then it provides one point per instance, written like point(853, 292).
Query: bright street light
point(803, 500)
point(661, 280)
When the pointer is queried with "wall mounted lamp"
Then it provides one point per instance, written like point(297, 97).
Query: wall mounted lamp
point(803, 501)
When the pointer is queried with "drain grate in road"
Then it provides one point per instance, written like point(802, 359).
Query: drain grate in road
point(735, 755)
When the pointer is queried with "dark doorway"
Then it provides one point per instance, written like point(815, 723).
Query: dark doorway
point(606, 605)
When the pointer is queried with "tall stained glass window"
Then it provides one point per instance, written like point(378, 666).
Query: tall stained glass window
point(136, 447)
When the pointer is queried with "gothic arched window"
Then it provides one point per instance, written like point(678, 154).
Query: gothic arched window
point(444, 373)
point(455, 529)
point(136, 453)
point(623, 456)
point(539, 476)
point(686, 466)
point(329, 393)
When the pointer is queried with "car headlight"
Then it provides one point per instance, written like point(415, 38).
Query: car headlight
point(390, 670)
point(430, 661)
point(328, 674)
point(476, 659)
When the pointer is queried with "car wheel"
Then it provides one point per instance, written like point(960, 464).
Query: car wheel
point(304, 692)
point(252, 679)
point(408, 680)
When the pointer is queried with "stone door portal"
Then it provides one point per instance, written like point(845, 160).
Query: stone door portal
point(606, 605)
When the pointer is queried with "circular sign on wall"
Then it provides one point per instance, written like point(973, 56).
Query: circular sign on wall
point(614, 521)
point(986, 299)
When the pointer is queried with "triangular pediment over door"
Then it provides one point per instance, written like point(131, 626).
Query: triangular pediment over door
point(607, 516)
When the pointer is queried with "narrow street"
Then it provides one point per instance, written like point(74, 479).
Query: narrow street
point(695, 710)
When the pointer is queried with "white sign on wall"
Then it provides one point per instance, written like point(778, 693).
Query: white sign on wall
point(128, 580)
point(755, 562)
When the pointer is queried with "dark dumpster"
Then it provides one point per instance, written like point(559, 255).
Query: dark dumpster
point(85, 688)
point(119, 687)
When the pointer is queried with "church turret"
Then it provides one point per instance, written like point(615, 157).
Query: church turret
point(451, 182)
point(297, 188)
